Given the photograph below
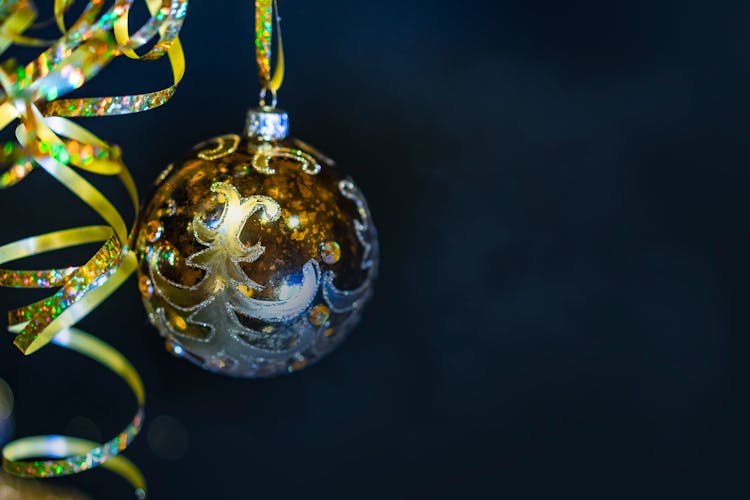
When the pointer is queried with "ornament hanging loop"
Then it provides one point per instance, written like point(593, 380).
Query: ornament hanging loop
point(264, 26)
point(264, 96)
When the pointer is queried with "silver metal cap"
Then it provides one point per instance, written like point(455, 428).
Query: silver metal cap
point(267, 124)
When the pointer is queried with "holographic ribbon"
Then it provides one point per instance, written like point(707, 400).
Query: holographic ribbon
point(264, 24)
point(78, 455)
point(46, 139)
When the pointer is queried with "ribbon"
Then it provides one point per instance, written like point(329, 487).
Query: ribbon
point(264, 24)
point(47, 139)
point(78, 455)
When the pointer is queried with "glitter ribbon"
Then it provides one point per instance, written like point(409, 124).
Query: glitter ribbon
point(264, 23)
point(46, 139)
point(78, 455)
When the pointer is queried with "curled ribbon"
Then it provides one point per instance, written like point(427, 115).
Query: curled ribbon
point(264, 24)
point(46, 138)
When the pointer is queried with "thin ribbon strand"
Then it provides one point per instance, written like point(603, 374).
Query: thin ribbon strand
point(264, 25)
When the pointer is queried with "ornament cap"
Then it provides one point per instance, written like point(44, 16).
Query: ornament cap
point(267, 123)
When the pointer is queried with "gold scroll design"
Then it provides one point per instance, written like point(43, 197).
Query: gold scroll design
point(341, 301)
point(262, 154)
point(214, 301)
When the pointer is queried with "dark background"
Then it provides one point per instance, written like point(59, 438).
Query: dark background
point(561, 194)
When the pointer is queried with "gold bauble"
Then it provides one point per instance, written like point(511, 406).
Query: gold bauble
point(256, 255)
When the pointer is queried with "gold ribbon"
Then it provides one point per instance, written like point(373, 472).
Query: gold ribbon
point(46, 139)
point(264, 24)
point(76, 455)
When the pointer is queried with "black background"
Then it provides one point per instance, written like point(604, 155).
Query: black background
point(561, 194)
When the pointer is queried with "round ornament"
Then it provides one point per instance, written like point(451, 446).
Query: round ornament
point(256, 255)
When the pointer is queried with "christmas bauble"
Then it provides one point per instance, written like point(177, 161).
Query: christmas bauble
point(256, 254)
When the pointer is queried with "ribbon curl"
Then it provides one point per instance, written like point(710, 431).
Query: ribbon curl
point(47, 139)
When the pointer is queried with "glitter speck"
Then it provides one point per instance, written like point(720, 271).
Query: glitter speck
point(298, 364)
point(330, 252)
point(145, 286)
point(174, 348)
point(154, 230)
point(319, 314)
point(180, 323)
